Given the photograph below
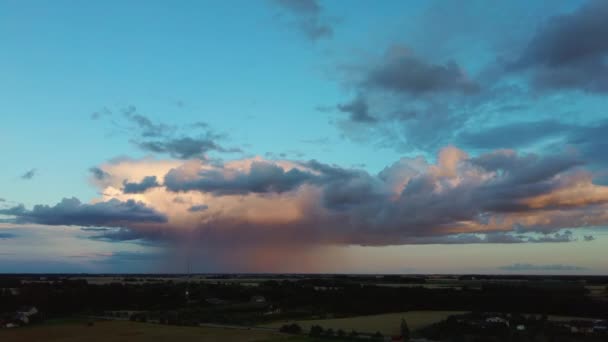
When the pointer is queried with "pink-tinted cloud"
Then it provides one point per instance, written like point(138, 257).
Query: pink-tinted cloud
point(258, 204)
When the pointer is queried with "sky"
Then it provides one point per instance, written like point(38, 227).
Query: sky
point(304, 136)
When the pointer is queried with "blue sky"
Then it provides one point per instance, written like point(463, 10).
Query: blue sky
point(403, 104)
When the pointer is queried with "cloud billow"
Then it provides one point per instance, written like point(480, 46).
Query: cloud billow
point(148, 182)
point(262, 177)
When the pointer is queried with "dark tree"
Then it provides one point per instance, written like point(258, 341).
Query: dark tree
point(316, 331)
point(291, 329)
point(405, 330)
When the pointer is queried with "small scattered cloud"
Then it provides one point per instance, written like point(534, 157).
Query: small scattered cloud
point(541, 268)
point(178, 103)
point(186, 147)
point(189, 141)
point(145, 125)
point(104, 112)
point(324, 141)
point(324, 109)
point(500, 237)
point(29, 174)
point(566, 236)
point(307, 18)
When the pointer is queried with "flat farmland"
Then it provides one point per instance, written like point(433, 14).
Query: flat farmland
point(598, 291)
point(103, 331)
point(387, 324)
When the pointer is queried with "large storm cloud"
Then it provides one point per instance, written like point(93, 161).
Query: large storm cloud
point(497, 197)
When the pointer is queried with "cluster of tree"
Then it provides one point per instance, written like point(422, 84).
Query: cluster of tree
point(536, 278)
point(329, 333)
point(339, 299)
point(138, 317)
point(476, 327)
point(292, 328)
point(405, 330)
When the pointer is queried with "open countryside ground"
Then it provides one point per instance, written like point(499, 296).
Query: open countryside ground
point(387, 324)
point(570, 318)
point(103, 331)
point(598, 291)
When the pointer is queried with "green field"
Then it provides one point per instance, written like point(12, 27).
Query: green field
point(103, 331)
point(387, 324)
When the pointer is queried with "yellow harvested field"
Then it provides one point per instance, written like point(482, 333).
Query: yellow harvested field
point(126, 331)
point(387, 324)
